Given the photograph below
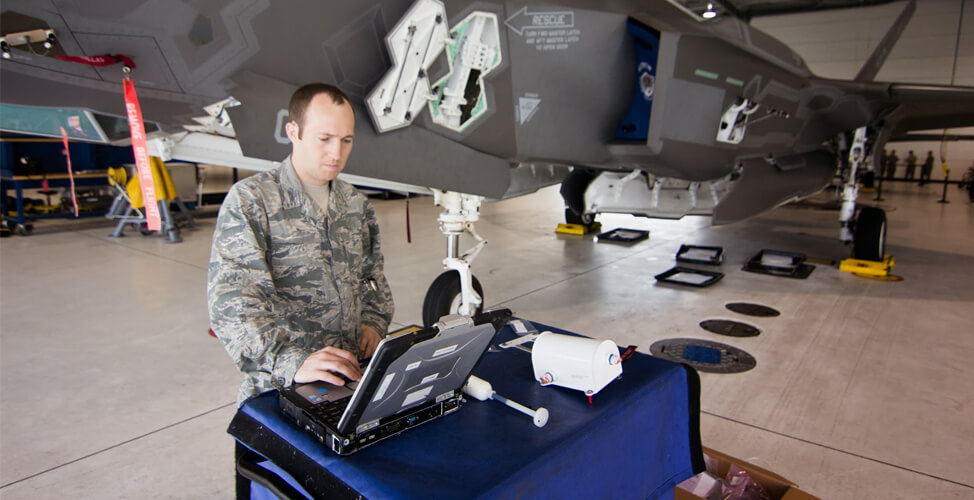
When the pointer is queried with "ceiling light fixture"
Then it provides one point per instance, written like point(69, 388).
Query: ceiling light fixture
point(710, 13)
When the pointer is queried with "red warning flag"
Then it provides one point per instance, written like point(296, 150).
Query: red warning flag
point(136, 127)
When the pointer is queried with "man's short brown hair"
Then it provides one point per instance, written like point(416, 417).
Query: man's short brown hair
point(303, 96)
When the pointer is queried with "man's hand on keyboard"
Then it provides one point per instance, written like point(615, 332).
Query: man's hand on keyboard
point(327, 365)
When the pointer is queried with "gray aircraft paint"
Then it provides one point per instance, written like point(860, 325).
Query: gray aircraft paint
point(402, 156)
point(576, 88)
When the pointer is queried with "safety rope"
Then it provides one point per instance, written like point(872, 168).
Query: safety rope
point(409, 234)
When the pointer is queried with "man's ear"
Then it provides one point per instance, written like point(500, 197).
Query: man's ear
point(292, 131)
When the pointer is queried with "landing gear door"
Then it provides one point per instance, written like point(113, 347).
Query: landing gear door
point(635, 125)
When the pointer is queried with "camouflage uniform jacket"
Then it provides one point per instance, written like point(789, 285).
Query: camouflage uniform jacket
point(286, 279)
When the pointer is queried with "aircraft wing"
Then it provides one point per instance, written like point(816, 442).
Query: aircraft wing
point(926, 107)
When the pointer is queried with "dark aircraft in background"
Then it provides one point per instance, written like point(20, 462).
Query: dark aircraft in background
point(634, 106)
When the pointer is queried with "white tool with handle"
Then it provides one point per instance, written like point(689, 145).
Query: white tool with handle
point(481, 389)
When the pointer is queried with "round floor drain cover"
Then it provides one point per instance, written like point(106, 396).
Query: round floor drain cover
point(704, 355)
point(753, 309)
point(730, 328)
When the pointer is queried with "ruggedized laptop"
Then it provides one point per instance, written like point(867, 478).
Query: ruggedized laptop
point(416, 375)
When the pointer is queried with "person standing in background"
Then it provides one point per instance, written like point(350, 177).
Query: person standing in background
point(911, 165)
point(892, 160)
point(926, 169)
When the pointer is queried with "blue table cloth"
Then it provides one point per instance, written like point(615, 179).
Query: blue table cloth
point(638, 439)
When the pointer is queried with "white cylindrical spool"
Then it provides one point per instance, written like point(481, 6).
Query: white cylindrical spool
point(563, 354)
point(575, 362)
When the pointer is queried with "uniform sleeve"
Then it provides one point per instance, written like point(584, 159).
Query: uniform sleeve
point(377, 304)
point(240, 294)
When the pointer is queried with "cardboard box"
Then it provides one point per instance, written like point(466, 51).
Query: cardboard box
point(778, 487)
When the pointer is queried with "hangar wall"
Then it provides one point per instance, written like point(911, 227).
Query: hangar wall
point(836, 43)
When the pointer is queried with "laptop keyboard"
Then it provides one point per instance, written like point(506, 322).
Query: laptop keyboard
point(331, 411)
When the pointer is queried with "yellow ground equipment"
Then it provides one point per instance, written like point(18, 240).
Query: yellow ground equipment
point(868, 268)
point(579, 229)
point(126, 208)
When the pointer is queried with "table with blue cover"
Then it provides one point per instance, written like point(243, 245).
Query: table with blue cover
point(637, 439)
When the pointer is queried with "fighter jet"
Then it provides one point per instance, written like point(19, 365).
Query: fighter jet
point(652, 108)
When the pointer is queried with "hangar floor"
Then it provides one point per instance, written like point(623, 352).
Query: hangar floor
point(111, 387)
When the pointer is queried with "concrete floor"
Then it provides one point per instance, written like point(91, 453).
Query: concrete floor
point(111, 387)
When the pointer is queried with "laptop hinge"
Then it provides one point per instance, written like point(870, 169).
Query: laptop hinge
point(367, 426)
point(453, 321)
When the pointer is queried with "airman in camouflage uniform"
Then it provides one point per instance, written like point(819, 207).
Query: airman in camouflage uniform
point(287, 279)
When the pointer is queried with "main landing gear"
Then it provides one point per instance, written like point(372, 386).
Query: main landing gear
point(867, 233)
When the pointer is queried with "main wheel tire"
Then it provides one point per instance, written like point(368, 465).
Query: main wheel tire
point(443, 297)
point(582, 220)
point(573, 192)
point(869, 241)
point(868, 179)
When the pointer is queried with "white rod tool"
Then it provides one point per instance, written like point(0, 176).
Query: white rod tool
point(482, 390)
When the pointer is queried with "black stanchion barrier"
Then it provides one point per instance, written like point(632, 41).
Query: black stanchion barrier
point(879, 189)
point(946, 181)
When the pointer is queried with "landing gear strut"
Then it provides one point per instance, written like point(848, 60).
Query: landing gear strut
point(868, 234)
point(456, 291)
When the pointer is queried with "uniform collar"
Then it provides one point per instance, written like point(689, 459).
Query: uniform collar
point(293, 194)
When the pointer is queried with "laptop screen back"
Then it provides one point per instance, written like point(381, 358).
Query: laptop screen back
point(405, 373)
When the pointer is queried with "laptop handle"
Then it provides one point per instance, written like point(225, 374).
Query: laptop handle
point(498, 317)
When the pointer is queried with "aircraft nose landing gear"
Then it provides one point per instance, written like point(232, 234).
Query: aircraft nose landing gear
point(456, 291)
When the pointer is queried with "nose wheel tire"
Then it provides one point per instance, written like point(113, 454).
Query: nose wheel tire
point(869, 240)
point(443, 297)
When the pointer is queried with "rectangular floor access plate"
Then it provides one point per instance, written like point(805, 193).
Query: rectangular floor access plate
point(688, 276)
point(779, 263)
point(623, 235)
point(694, 254)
